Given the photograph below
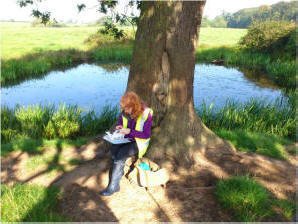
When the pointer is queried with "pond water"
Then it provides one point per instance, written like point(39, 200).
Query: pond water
point(93, 86)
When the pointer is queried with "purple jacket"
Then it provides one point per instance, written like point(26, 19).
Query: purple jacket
point(146, 133)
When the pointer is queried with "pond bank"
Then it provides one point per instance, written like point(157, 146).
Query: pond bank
point(15, 71)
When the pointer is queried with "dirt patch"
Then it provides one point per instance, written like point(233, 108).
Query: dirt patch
point(135, 204)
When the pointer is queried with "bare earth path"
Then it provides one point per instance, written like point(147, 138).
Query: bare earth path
point(189, 196)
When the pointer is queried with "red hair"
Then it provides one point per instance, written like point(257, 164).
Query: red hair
point(131, 100)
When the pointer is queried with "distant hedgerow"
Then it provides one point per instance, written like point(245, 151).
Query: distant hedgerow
point(269, 36)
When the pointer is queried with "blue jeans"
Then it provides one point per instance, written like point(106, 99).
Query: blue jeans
point(124, 151)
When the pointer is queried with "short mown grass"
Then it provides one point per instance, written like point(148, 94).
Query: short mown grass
point(30, 203)
point(249, 201)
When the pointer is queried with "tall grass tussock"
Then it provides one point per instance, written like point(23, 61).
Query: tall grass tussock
point(49, 122)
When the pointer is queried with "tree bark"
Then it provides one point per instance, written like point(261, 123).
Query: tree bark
point(162, 74)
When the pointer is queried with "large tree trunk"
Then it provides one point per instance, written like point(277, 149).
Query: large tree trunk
point(162, 74)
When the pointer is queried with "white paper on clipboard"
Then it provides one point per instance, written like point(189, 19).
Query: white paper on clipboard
point(115, 137)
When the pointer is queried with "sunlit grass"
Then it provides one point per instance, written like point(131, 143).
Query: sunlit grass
point(30, 203)
point(245, 197)
point(250, 201)
point(19, 39)
point(260, 143)
point(215, 37)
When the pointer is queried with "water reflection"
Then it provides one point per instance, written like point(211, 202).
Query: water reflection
point(93, 86)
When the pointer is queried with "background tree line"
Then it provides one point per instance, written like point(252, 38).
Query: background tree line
point(286, 11)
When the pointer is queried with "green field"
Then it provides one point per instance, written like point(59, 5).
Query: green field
point(19, 39)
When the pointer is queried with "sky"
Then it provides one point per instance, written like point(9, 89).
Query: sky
point(66, 10)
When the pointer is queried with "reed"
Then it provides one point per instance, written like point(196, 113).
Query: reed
point(49, 122)
point(256, 115)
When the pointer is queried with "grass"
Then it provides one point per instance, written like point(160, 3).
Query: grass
point(253, 126)
point(214, 37)
point(36, 146)
point(19, 39)
point(260, 143)
point(30, 203)
point(49, 122)
point(286, 208)
point(250, 201)
point(253, 116)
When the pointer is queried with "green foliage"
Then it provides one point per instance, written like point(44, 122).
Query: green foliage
point(29, 203)
point(112, 30)
point(43, 16)
point(286, 11)
point(248, 200)
point(269, 36)
point(218, 22)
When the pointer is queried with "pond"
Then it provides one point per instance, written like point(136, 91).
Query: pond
point(92, 86)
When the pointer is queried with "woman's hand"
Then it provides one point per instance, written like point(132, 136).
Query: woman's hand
point(119, 127)
point(125, 131)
